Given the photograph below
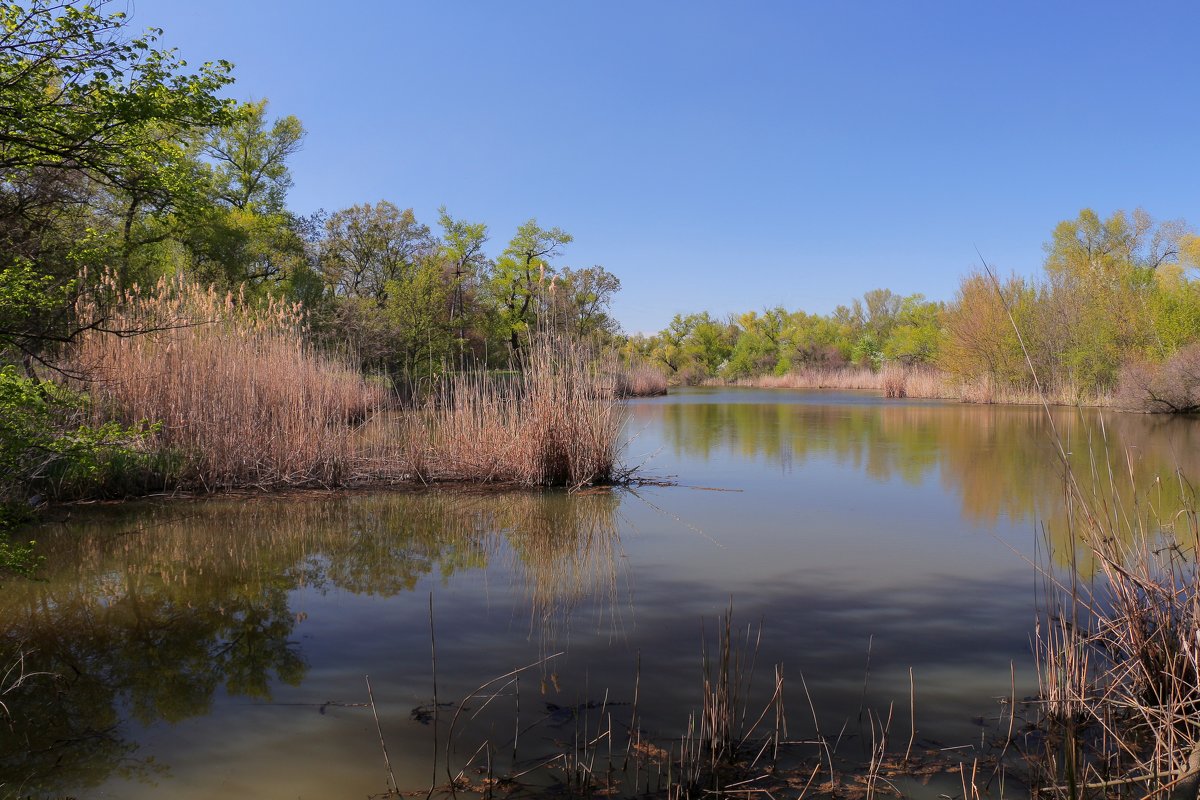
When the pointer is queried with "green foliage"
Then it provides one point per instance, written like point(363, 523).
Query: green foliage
point(15, 557)
point(917, 331)
point(43, 449)
point(33, 307)
point(758, 347)
point(81, 97)
point(249, 158)
point(520, 275)
point(579, 301)
point(42, 445)
point(1175, 310)
point(416, 311)
point(367, 246)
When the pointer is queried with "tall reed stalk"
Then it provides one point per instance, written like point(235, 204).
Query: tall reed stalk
point(239, 393)
point(553, 423)
point(1119, 653)
point(241, 398)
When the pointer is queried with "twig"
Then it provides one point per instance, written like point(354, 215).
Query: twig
point(382, 745)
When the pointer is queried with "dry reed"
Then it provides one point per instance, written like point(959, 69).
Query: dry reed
point(239, 393)
point(554, 423)
point(899, 381)
point(639, 380)
point(1119, 655)
point(242, 399)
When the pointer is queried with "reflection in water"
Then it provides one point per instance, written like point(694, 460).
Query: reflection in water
point(855, 525)
point(147, 615)
point(1000, 460)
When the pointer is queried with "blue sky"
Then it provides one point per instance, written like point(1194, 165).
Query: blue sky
point(730, 156)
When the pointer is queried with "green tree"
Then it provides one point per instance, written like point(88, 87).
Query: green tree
point(417, 312)
point(759, 347)
point(709, 343)
point(95, 127)
point(368, 247)
point(917, 331)
point(1100, 291)
point(462, 248)
point(249, 158)
point(519, 277)
point(580, 301)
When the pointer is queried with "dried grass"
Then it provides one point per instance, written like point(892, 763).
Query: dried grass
point(554, 423)
point(243, 399)
point(1119, 655)
point(239, 392)
point(899, 381)
point(818, 378)
point(639, 380)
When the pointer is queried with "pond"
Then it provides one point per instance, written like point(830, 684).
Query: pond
point(222, 648)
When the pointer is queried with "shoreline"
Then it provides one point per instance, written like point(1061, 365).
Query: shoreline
point(921, 384)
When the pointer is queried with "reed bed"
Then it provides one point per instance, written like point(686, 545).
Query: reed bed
point(553, 423)
point(1119, 653)
point(818, 378)
point(236, 390)
point(896, 381)
point(639, 380)
point(238, 397)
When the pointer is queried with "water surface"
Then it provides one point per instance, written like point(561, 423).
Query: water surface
point(220, 648)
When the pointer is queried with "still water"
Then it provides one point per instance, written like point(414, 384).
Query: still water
point(221, 648)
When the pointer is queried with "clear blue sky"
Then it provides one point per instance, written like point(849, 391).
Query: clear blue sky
point(737, 155)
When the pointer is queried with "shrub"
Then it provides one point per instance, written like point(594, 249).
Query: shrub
point(1172, 387)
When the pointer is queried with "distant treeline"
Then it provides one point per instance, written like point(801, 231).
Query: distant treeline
point(1118, 303)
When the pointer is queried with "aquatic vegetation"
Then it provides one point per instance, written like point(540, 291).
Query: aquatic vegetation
point(552, 423)
point(241, 398)
point(639, 380)
point(1119, 654)
point(921, 381)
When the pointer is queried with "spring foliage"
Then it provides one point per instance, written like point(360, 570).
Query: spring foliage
point(1117, 304)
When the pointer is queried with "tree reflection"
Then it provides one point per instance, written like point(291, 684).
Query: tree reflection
point(149, 615)
point(1000, 460)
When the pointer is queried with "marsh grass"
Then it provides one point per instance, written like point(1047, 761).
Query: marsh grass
point(733, 744)
point(896, 381)
point(238, 397)
point(599, 748)
point(849, 378)
point(639, 380)
point(235, 390)
point(1119, 653)
point(553, 423)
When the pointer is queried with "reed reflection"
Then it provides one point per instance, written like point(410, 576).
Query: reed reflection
point(148, 616)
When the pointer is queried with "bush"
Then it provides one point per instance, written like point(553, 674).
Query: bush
point(1172, 387)
point(45, 447)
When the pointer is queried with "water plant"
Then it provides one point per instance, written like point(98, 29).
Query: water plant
point(241, 398)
